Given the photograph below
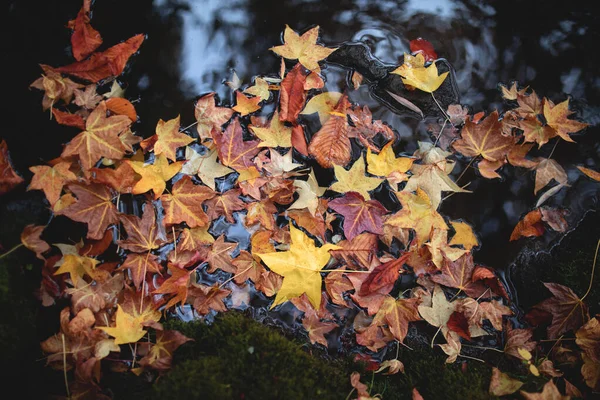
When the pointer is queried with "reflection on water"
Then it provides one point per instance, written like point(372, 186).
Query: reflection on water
point(193, 46)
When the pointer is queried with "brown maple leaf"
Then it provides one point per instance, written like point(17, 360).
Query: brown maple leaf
point(160, 354)
point(110, 62)
point(397, 314)
point(219, 256)
point(94, 207)
point(557, 117)
point(316, 328)
point(100, 138)
point(140, 265)
point(84, 39)
point(234, 151)
point(383, 275)
point(55, 87)
point(208, 298)
point(209, 116)
point(458, 274)
point(247, 267)
point(122, 178)
point(225, 204)
point(51, 179)
point(177, 284)
point(484, 139)
point(359, 214)
point(184, 203)
point(168, 139)
point(567, 310)
point(358, 252)
point(143, 234)
point(30, 237)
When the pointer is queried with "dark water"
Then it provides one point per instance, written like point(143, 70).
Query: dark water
point(192, 47)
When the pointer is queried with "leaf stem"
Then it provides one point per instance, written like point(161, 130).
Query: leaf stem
point(11, 250)
point(234, 276)
point(440, 134)
point(483, 348)
point(65, 366)
point(593, 271)
point(440, 107)
point(465, 170)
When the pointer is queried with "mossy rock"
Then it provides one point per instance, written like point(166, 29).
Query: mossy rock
point(238, 357)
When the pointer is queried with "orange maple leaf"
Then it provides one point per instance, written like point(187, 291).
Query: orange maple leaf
point(142, 233)
point(184, 204)
point(154, 175)
point(100, 138)
point(557, 118)
point(51, 179)
point(484, 139)
point(167, 139)
point(234, 152)
point(209, 116)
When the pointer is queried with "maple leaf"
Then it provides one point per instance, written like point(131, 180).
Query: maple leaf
point(168, 138)
point(463, 235)
point(160, 355)
point(309, 192)
point(547, 170)
point(303, 48)
point(234, 152)
point(397, 314)
point(484, 139)
point(417, 213)
point(331, 144)
point(386, 163)
point(501, 384)
point(415, 74)
point(154, 175)
point(359, 215)
point(245, 105)
point(30, 237)
point(440, 310)
point(534, 131)
point(323, 104)
point(432, 176)
point(276, 135)
point(110, 62)
point(336, 283)
point(354, 179)
point(205, 166)
point(122, 179)
point(260, 89)
point(208, 298)
point(87, 98)
point(263, 213)
point(94, 207)
point(440, 249)
point(209, 116)
point(96, 297)
point(511, 94)
point(358, 252)
point(364, 128)
point(143, 234)
point(68, 119)
point(140, 265)
point(549, 392)
point(530, 225)
point(77, 267)
point(568, 311)
point(225, 204)
point(219, 256)
point(127, 329)
point(51, 179)
point(122, 106)
point(247, 267)
point(557, 118)
point(292, 94)
point(100, 138)
point(518, 339)
point(316, 328)
point(176, 284)
point(84, 39)
point(383, 275)
point(300, 266)
point(55, 87)
point(457, 274)
point(184, 204)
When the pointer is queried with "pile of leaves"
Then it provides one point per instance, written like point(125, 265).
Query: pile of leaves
point(332, 249)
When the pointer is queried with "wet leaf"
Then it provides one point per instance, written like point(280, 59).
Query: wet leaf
point(302, 48)
point(354, 179)
point(154, 176)
point(415, 74)
point(557, 117)
point(359, 214)
point(184, 203)
point(51, 179)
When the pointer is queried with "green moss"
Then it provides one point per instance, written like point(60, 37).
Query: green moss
point(237, 357)
point(427, 371)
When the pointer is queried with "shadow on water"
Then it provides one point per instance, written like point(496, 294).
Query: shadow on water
point(192, 47)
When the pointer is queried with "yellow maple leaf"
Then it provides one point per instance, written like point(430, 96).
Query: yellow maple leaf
point(245, 105)
point(302, 48)
point(259, 89)
point(300, 267)
point(276, 135)
point(205, 166)
point(127, 329)
point(415, 74)
point(557, 118)
point(463, 235)
point(154, 175)
point(169, 138)
point(385, 163)
point(354, 180)
point(76, 266)
point(323, 104)
point(417, 213)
